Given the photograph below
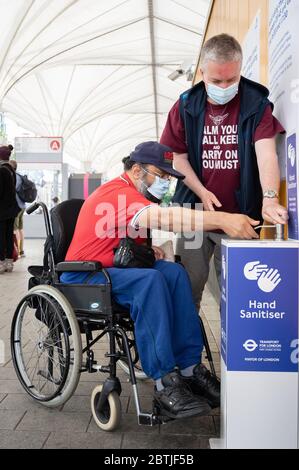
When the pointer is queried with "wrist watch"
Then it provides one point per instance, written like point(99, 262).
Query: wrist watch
point(271, 194)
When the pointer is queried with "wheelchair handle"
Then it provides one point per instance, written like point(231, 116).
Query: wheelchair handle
point(32, 208)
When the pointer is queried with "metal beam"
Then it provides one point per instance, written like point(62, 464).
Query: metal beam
point(153, 53)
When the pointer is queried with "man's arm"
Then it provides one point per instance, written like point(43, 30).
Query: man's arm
point(181, 163)
point(270, 179)
point(179, 220)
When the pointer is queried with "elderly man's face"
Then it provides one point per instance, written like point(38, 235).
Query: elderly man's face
point(222, 75)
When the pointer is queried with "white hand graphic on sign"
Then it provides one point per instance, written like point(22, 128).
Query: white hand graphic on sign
point(254, 269)
point(292, 154)
point(269, 281)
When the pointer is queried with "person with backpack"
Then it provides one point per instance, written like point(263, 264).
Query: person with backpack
point(26, 189)
point(8, 209)
point(18, 224)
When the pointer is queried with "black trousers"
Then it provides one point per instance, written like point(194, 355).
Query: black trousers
point(6, 238)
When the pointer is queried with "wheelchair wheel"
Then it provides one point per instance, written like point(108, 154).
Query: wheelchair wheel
point(46, 346)
point(109, 417)
point(123, 363)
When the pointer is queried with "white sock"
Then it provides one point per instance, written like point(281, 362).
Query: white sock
point(188, 372)
point(159, 385)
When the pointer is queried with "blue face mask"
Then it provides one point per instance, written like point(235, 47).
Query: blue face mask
point(159, 187)
point(222, 95)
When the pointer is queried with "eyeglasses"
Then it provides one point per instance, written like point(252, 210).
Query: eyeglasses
point(164, 177)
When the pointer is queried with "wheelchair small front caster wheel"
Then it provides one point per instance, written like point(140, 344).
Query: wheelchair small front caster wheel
point(109, 416)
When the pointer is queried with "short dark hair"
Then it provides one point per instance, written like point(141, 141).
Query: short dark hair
point(128, 163)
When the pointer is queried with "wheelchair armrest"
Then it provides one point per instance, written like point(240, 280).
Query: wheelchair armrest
point(77, 266)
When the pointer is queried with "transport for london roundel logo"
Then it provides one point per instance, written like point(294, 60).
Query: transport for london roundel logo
point(250, 345)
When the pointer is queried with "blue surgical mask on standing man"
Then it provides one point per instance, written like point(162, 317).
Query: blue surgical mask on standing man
point(222, 95)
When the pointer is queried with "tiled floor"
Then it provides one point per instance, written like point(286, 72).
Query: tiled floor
point(26, 424)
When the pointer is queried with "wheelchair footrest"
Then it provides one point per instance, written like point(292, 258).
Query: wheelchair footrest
point(147, 420)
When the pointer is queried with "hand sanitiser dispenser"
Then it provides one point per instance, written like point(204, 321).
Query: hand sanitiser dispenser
point(259, 344)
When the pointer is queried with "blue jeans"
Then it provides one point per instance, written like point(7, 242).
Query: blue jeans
point(167, 328)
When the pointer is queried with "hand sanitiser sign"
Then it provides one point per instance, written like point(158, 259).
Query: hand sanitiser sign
point(259, 345)
point(262, 325)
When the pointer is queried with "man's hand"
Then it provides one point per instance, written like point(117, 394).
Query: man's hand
point(159, 253)
point(239, 226)
point(273, 212)
point(209, 200)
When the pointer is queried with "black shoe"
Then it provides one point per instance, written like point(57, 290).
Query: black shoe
point(177, 401)
point(205, 384)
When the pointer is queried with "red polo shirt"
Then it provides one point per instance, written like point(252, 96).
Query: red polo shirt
point(107, 216)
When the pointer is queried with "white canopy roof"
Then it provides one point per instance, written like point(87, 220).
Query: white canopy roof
point(96, 71)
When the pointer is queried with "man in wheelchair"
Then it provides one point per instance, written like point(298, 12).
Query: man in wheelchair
point(167, 330)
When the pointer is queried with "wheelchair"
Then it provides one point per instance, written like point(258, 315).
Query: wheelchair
point(50, 320)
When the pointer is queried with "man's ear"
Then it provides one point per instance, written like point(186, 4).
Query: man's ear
point(136, 170)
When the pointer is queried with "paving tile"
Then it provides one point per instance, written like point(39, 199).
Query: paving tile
point(3, 323)
point(22, 402)
point(99, 377)
point(9, 419)
point(215, 412)
point(217, 424)
point(53, 420)
point(7, 363)
point(80, 440)
point(82, 403)
point(146, 404)
point(11, 386)
point(150, 441)
point(2, 396)
point(201, 426)
point(128, 425)
point(22, 440)
point(8, 373)
point(204, 444)
point(86, 388)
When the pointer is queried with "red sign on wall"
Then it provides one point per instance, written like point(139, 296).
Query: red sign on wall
point(55, 145)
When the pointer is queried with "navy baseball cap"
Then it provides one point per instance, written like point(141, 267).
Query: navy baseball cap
point(155, 154)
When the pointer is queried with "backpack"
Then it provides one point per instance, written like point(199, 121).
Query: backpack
point(27, 192)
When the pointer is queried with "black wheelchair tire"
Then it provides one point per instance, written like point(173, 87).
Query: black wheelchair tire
point(74, 372)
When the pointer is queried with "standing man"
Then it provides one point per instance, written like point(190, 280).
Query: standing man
point(223, 134)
